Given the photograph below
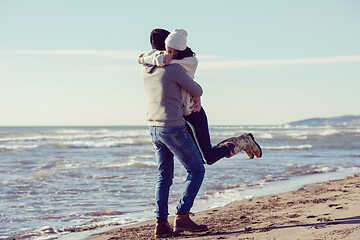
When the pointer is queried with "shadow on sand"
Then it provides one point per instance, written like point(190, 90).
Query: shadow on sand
point(322, 224)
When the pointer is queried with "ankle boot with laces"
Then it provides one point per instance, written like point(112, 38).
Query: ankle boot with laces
point(164, 230)
point(184, 223)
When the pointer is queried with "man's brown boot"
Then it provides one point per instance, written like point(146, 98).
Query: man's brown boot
point(164, 230)
point(184, 223)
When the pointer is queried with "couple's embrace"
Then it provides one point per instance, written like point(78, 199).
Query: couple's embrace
point(174, 103)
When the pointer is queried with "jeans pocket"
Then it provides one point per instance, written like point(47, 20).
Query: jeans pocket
point(172, 140)
point(154, 141)
point(152, 137)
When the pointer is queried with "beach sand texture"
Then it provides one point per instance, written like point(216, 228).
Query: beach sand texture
point(327, 210)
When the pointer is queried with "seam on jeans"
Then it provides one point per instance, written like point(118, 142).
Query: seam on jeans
point(175, 137)
point(186, 134)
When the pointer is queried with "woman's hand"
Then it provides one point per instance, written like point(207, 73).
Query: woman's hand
point(141, 55)
point(197, 104)
point(167, 58)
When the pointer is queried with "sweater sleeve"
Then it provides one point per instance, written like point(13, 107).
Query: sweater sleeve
point(184, 80)
point(189, 63)
point(154, 57)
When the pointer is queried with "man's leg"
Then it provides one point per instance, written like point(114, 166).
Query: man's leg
point(184, 148)
point(165, 164)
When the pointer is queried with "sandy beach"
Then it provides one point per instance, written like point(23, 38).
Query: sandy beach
point(326, 210)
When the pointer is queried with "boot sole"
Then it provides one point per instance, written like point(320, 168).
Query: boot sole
point(179, 230)
point(167, 235)
point(249, 153)
point(252, 137)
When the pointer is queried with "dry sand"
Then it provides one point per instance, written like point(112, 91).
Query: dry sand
point(327, 210)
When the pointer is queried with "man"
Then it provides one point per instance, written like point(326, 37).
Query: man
point(170, 138)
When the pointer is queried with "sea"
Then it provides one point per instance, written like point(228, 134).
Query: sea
point(70, 182)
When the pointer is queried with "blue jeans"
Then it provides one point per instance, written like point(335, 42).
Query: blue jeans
point(169, 142)
point(199, 124)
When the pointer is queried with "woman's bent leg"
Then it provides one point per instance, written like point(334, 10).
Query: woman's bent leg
point(199, 124)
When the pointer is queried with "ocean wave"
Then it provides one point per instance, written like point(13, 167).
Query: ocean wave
point(264, 135)
point(68, 131)
point(60, 166)
point(295, 170)
point(142, 157)
point(96, 144)
point(305, 169)
point(283, 132)
point(105, 212)
point(42, 174)
point(287, 147)
point(72, 135)
point(256, 127)
point(49, 232)
point(4, 148)
point(71, 142)
point(39, 138)
point(132, 163)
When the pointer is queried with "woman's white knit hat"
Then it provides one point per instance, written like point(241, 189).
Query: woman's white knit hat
point(177, 39)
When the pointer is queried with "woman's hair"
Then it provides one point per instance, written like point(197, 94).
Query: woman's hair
point(183, 54)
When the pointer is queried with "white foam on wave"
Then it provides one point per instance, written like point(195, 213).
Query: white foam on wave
point(264, 135)
point(76, 232)
point(96, 144)
point(74, 135)
point(306, 169)
point(105, 212)
point(57, 165)
point(142, 157)
point(39, 137)
point(297, 135)
point(287, 147)
point(131, 163)
point(4, 148)
point(227, 127)
point(69, 131)
point(42, 174)
point(327, 132)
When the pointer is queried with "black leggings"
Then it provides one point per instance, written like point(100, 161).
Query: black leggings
point(200, 132)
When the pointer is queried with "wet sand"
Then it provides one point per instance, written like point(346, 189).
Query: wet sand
point(327, 210)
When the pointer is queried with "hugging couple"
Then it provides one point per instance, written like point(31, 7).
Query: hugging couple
point(179, 128)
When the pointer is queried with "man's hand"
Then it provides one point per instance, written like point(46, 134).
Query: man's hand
point(196, 107)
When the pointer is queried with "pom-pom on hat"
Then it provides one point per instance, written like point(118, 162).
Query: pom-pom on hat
point(177, 39)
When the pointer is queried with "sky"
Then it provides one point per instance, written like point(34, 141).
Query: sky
point(74, 62)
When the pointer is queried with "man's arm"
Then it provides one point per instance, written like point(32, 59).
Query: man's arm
point(185, 81)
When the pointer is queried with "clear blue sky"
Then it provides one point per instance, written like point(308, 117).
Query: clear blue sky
point(73, 62)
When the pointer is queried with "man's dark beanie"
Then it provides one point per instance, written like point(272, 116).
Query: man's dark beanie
point(157, 38)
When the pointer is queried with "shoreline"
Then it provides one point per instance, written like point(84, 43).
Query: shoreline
point(323, 210)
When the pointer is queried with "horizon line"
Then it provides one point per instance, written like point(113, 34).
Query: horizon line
point(131, 53)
